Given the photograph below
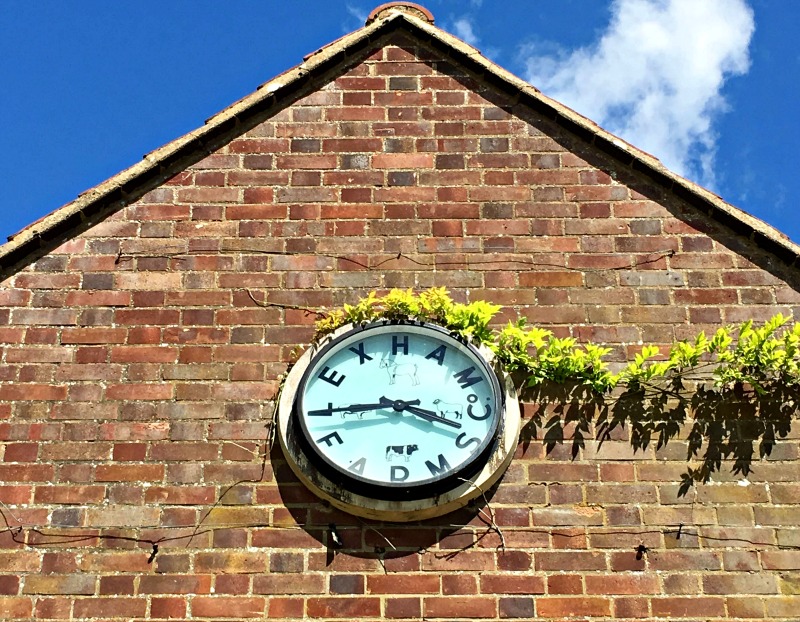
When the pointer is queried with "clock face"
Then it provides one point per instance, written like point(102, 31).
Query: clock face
point(398, 411)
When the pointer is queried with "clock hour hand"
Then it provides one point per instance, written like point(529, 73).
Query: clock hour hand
point(398, 405)
point(412, 407)
point(431, 416)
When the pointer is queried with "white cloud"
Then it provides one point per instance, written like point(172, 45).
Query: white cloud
point(359, 14)
point(463, 29)
point(655, 76)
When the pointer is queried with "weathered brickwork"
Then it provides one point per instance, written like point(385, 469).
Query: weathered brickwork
point(140, 361)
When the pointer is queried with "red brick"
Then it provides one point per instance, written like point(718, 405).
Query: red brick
point(403, 608)
point(47, 281)
point(289, 540)
point(551, 279)
point(739, 584)
point(289, 583)
point(402, 584)
point(570, 561)
point(9, 585)
point(453, 607)
point(564, 584)
point(23, 392)
point(780, 560)
point(227, 606)
point(622, 584)
point(681, 607)
point(20, 561)
point(134, 431)
point(11, 335)
point(60, 584)
point(343, 607)
point(59, 562)
point(38, 355)
point(497, 227)
point(143, 354)
point(514, 561)
point(175, 584)
point(459, 584)
point(562, 606)
point(16, 607)
point(160, 211)
point(631, 607)
point(516, 608)
point(356, 113)
point(117, 561)
point(53, 608)
point(174, 495)
point(306, 162)
point(511, 584)
point(451, 113)
point(685, 560)
point(167, 608)
point(207, 195)
point(568, 516)
point(505, 193)
point(261, 210)
point(26, 473)
point(69, 494)
point(129, 472)
point(21, 452)
point(144, 335)
point(402, 160)
point(15, 495)
point(138, 392)
point(257, 145)
point(109, 607)
point(137, 317)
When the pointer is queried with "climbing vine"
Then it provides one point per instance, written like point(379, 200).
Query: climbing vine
point(737, 390)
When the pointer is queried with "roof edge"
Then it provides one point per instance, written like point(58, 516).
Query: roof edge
point(159, 165)
point(164, 162)
point(763, 234)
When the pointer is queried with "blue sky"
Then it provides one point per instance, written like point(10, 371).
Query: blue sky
point(711, 87)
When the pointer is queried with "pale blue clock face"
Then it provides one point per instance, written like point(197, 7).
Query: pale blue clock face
point(399, 405)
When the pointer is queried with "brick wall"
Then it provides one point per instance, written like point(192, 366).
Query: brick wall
point(139, 365)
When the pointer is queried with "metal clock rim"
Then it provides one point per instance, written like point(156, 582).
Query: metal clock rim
point(401, 490)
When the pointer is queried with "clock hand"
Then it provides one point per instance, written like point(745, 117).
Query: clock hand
point(411, 406)
point(398, 405)
point(430, 415)
point(353, 408)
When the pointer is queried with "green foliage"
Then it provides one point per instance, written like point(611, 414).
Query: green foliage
point(469, 320)
point(744, 381)
point(399, 304)
point(760, 358)
point(435, 305)
point(472, 320)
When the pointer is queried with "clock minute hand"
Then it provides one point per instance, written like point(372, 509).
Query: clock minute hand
point(431, 416)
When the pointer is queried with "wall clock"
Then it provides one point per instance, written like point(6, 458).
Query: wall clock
point(397, 420)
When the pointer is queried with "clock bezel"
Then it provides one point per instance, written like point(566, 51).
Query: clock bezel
point(340, 498)
point(399, 491)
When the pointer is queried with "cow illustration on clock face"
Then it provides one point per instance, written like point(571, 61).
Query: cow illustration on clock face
point(398, 410)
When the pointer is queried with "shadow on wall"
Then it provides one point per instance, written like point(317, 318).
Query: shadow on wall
point(716, 423)
point(368, 539)
point(706, 425)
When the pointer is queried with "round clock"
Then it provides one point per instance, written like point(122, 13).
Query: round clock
point(397, 420)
